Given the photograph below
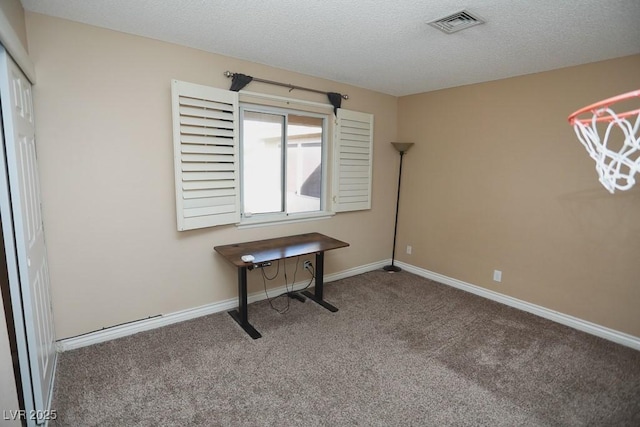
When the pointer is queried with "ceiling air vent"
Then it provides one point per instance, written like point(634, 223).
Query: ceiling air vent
point(456, 22)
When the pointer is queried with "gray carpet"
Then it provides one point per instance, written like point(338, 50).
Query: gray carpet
point(402, 350)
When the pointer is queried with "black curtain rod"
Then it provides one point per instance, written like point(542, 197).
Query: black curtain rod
point(290, 86)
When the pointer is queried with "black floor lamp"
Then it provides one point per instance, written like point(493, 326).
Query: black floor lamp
point(402, 147)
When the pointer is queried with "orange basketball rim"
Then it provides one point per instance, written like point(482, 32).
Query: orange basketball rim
point(611, 139)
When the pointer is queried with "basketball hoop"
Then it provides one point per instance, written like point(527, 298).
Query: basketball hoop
point(616, 162)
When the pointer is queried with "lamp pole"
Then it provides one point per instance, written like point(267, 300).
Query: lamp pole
point(402, 147)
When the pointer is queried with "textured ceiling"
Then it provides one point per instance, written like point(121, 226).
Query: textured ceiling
point(381, 45)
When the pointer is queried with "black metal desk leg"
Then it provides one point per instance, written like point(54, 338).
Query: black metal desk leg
point(317, 296)
point(241, 315)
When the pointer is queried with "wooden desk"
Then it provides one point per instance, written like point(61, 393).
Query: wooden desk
point(272, 250)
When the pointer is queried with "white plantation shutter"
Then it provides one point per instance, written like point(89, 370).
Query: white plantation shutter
point(353, 161)
point(205, 141)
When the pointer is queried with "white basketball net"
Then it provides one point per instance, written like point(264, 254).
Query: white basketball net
point(616, 167)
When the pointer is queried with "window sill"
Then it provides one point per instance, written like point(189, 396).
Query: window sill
point(259, 221)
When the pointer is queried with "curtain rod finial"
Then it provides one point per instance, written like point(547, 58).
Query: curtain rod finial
point(345, 96)
point(228, 74)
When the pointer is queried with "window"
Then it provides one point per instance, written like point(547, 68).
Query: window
point(268, 164)
point(282, 161)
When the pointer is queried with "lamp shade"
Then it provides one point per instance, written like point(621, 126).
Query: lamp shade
point(402, 146)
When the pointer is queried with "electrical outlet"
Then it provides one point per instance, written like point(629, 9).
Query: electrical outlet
point(409, 250)
point(307, 265)
point(497, 276)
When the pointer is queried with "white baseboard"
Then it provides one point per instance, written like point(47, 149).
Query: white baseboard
point(120, 331)
point(564, 319)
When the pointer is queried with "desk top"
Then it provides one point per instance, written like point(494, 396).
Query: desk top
point(278, 248)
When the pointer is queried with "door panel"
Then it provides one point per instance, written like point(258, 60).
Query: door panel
point(32, 282)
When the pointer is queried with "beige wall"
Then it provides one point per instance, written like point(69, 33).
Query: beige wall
point(498, 180)
point(103, 116)
point(14, 12)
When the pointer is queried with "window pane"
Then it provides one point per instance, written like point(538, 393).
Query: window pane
point(304, 163)
point(262, 162)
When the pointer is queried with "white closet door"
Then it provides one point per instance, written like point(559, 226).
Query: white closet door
point(30, 291)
